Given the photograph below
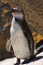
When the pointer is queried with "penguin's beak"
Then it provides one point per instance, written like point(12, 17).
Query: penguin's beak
point(15, 10)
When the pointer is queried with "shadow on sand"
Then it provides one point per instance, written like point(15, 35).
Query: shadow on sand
point(32, 60)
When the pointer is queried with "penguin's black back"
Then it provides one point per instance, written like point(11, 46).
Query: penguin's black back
point(28, 34)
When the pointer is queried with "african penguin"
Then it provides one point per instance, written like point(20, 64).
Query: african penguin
point(21, 36)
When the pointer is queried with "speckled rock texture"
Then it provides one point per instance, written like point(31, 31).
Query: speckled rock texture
point(33, 10)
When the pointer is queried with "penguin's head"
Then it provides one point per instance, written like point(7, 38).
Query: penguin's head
point(18, 14)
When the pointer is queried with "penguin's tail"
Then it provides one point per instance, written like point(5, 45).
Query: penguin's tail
point(38, 47)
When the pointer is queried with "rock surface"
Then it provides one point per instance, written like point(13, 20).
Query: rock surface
point(33, 12)
point(36, 61)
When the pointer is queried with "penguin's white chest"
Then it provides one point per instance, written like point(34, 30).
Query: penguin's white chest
point(20, 44)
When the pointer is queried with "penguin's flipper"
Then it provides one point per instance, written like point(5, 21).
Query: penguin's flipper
point(8, 45)
point(18, 62)
point(28, 34)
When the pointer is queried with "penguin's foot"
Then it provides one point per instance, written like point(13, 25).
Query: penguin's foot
point(26, 61)
point(18, 62)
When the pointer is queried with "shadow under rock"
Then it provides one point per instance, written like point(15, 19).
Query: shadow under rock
point(32, 59)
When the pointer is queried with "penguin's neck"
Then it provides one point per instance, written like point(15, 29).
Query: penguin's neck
point(14, 25)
